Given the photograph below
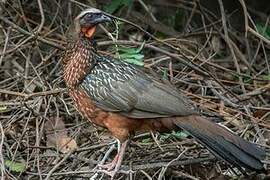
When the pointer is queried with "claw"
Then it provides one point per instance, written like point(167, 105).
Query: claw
point(113, 168)
point(112, 173)
point(109, 173)
point(110, 166)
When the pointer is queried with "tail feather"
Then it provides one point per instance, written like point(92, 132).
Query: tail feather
point(223, 143)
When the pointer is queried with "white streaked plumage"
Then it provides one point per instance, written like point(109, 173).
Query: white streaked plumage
point(89, 10)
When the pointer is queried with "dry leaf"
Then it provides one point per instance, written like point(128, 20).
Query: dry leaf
point(66, 144)
point(216, 44)
point(57, 135)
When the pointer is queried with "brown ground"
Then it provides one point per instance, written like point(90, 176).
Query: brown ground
point(229, 78)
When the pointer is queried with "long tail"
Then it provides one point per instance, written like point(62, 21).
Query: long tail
point(223, 143)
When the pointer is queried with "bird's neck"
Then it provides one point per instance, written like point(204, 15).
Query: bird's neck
point(78, 61)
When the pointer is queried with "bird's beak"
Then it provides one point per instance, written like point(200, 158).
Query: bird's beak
point(93, 21)
point(102, 18)
point(87, 24)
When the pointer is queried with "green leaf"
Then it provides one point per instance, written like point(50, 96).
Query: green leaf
point(165, 136)
point(165, 74)
point(132, 55)
point(15, 166)
point(132, 61)
point(266, 77)
point(127, 50)
point(180, 134)
point(3, 109)
point(146, 140)
point(246, 77)
point(116, 4)
point(177, 134)
point(264, 31)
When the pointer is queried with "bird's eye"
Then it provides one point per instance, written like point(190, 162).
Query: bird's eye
point(90, 15)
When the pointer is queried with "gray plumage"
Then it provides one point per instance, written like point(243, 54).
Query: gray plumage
point(117, 86)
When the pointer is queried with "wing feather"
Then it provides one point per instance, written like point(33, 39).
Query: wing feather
point(134, 93)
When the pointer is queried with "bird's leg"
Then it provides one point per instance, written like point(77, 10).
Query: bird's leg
point(111, 165)
point(112, 168)
point(120, 154)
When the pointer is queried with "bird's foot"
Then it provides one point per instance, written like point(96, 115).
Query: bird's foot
point(113, 172)
point(110, 166)
point(113, 168)
point(107, 167)
point(110, 173)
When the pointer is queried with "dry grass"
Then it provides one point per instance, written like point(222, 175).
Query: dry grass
point(225, 74)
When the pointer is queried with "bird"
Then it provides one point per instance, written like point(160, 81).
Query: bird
point(125, 99)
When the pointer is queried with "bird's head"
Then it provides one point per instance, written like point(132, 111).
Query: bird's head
point(88, 19)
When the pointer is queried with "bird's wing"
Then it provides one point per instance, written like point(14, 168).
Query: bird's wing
point(135, 94)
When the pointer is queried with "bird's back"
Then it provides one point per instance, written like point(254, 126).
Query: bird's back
point(115, 85)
